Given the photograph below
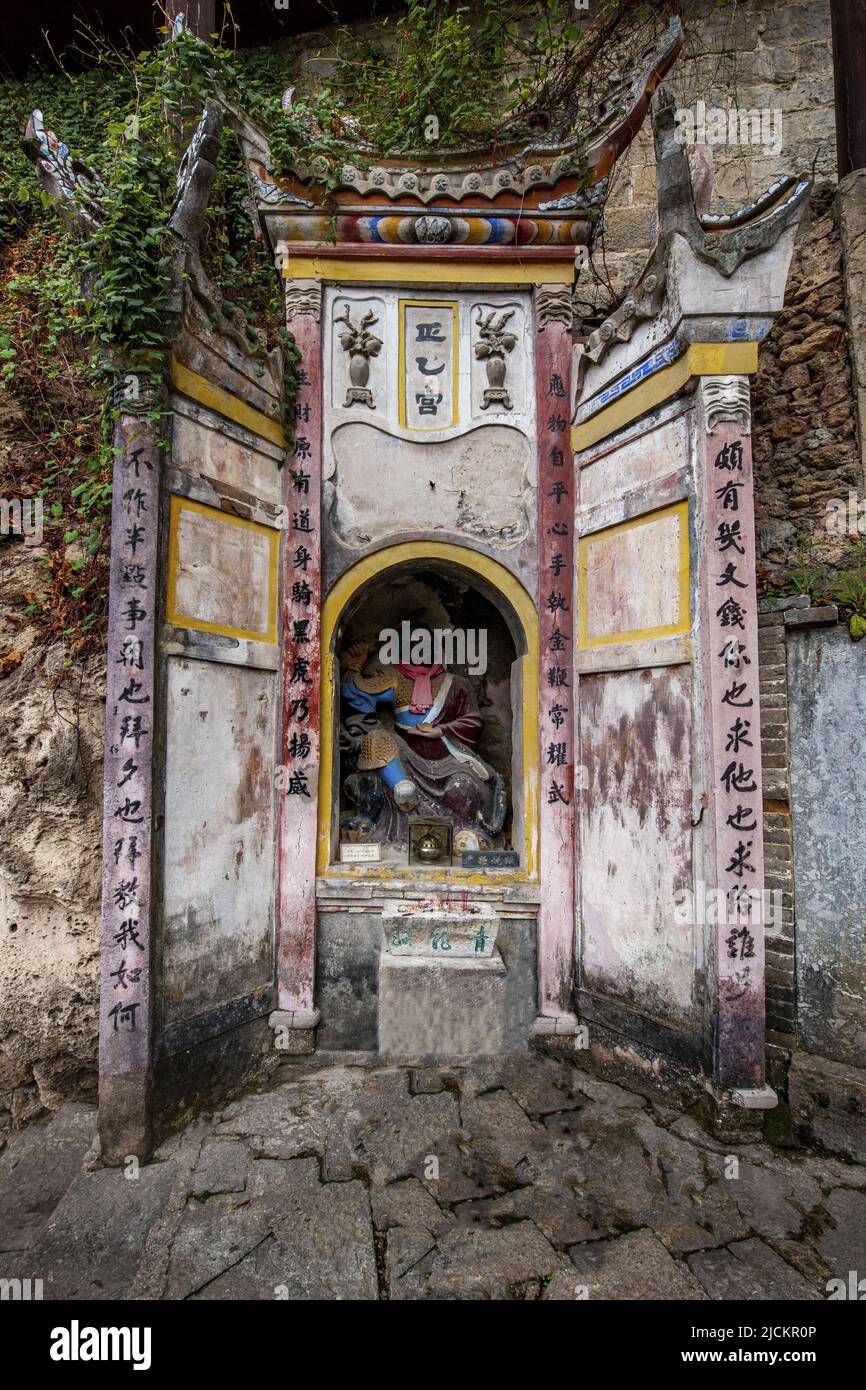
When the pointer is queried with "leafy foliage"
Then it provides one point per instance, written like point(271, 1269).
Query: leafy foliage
point(443, 75)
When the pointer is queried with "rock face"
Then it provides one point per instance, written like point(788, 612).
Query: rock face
point(804, 425)
point(50, 862)
point(803, 434)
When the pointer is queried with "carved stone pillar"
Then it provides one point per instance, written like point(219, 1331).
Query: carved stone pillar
point(125, 995)
point(296, 1015)
point(728, 605)
point(556, 500)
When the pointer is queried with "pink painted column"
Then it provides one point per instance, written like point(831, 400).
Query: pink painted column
point(556, 503)
point(125, 1014)
point(300, 751)
point(729, 620)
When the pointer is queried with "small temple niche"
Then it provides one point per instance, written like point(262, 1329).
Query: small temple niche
point(426, 765)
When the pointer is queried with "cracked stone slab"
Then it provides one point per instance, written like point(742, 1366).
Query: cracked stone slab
point(222, 1167)
point(541, 1085)
point(36, 1168)
point(632, 1267)
point(774, 1203)
point(95, 1240)
point(830, 1173)
point(470, 1264)
point(406, 1203)
point(323, 1238)
point(749, 1269)
point(637, 1175)
point(507, 1148)
point(377, 1128)
point(608, 1093)
point(279, 1123)
point(843, 1243)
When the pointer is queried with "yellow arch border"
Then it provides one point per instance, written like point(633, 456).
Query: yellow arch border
point(505, 583)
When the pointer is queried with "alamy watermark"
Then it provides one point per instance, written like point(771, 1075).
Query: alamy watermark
point(736, 907)
point(846, 518)
point(22, 518)
point(437, 646)
point(20, 1290)
point(730, 125)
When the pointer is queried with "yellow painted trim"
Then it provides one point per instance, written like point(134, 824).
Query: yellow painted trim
point(198, 388)
point(701, 359)
point(333, 608)
point(402, 405)
point(396, 270)
point(585, 642)
point(178, 619)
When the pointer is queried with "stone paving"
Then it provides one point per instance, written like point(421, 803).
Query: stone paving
point(523, 1178)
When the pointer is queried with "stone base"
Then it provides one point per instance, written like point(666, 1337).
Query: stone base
point(735, 1116)
point(828, 1104)
point(435, 1008)
point(124, 1124)
point(294, 1032)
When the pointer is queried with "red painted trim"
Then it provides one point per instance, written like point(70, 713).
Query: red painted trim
point(506, 254)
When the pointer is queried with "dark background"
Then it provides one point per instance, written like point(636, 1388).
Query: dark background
point(22, 39)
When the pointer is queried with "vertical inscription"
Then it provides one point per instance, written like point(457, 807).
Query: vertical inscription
point(125, 1014)
point(301, 614)
point(428, 364)
point(556, 623)
point(732, 656)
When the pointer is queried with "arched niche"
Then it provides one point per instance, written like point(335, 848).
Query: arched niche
point(497, 588)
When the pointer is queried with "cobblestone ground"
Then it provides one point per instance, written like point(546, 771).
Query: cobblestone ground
point(520, 1179)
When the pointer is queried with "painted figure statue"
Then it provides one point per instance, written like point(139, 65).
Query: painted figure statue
point(427, 763)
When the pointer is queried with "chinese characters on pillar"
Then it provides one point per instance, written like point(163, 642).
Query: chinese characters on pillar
point(128, 759)
point(734, 694)
point(556, 634)
point(557, 543)
point(298, 783)
point(302, 581)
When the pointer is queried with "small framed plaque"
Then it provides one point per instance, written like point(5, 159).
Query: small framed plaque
point(359, 854)
point(491, 859)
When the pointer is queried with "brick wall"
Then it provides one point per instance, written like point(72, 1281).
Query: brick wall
point(803, 412)
point(778, 837)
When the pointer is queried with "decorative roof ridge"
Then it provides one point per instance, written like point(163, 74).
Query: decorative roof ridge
point(722, 240)
point(479, 171)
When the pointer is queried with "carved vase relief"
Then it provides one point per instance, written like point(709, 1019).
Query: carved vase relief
point(361, 345)
point(494, 343)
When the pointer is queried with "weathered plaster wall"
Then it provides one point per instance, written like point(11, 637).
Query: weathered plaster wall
point(50, 862)
point(827, 693)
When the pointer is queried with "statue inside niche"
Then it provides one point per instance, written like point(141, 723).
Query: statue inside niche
point(409, 737)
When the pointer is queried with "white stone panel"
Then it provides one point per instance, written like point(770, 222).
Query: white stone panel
point(478, 483)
